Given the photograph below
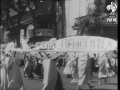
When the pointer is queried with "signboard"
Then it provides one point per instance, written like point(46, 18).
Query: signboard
point(80, 43)
point(44, 32)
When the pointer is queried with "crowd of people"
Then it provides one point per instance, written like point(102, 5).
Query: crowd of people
point(82, 65)
point(79, 65)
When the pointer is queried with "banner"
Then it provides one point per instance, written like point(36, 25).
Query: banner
point(80, 43)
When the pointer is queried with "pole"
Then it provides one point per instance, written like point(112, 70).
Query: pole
point(19, 25)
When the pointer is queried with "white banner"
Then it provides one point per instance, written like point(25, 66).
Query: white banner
point(80, 43)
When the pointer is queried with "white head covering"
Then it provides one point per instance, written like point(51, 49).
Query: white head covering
point(53, 39)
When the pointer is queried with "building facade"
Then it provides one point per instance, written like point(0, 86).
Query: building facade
point(74, 9)
point(90, 15)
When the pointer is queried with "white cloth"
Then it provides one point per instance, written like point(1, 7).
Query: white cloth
point(9, 48)
point(84, 68)
point(50, 74)
point(10, 74)
point(69, 69)
point(103, 65)
point(50, 71)
point(3, 74)
point(24, 44)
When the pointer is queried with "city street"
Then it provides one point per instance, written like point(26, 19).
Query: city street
point(36, 84)
point(78, 37)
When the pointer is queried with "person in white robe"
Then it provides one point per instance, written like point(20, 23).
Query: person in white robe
point(50, 70)
point(103, 65)
point(24, 43)
point(84, 70)
point(71, 67)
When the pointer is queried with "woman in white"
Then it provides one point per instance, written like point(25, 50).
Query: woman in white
point(71, 66)
point(10, 74)
point(50, 70)
point(103, 66)
point(84, 69)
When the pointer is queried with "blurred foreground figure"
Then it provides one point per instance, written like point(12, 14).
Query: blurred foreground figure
point(10, 74)
point(84, 70)
point(51, 77)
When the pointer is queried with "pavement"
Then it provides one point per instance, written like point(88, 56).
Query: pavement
point(36, 83)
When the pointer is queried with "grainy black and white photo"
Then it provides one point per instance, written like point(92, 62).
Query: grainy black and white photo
point(59, 45)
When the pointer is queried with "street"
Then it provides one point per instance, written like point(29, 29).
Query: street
point(36, 83)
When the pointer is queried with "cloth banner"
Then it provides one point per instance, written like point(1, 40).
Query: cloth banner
point(80, 43)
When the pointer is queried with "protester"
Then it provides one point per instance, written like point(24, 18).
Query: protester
point(60, 62)
point(50, 70)
point(94, 64)
point(10, 74)
point(103, 67)
point(26, 61)
point(33, 64)
point(3, 74)
point(75, 77)
point(71, 67)
point(28, 69)
point(112, 60)
point(84, 70)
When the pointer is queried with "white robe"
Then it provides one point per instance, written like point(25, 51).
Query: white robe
point(84, 68)
point(3, 75)
point(71, 66)
point(50, 74)
point(50, 71)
